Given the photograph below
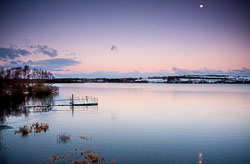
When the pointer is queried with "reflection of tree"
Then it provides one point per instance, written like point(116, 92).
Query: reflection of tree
point(10, 105)
point(44, 104)
point(3, 146)
point(1, 141)
point(14, 105)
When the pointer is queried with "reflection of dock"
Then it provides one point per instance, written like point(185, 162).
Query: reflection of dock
point(77, 108)
point(45, 108)
point(32, 106)
point(77, 104)
point(87, 101)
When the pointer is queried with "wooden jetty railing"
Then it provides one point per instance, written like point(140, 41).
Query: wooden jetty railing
point(86, 98)
point(86, 101)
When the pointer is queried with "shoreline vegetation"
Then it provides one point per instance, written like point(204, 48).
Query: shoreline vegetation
point(25, 81)
point(185, 79)
point(19, 85)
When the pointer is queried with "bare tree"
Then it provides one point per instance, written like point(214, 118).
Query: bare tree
point(24, 73)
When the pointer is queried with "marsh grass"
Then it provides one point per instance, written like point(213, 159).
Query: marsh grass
point(87, 157)
point(86, 138)
point(63, 138)
point(34, 128)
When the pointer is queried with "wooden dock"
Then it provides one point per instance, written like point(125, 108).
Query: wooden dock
point(87, 101)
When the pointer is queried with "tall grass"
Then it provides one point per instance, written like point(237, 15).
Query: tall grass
point(63, 138)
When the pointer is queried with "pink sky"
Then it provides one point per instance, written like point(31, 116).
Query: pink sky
point(149, 37)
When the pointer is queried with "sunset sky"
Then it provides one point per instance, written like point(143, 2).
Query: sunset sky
point(83, 37)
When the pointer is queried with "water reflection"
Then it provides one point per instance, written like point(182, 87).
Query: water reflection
point(63, 138)
point(79, 108)
point(145, 124)
point(18, 106)
point(200, 158)
point(14, 105)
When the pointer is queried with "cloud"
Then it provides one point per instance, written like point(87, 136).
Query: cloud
point(13, 62)
point(114, 48)
point(114, 74)
point(44, 49)
point(136, 74)
point(242, 72)
point(12, 53)
point(55, 64)
point(18, 62)
point(207, 71)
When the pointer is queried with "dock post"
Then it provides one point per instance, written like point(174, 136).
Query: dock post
point(72, 99)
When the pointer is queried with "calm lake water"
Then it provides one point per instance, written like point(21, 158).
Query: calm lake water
point(141, 123)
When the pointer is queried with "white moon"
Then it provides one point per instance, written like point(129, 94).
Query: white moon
point(201, 6)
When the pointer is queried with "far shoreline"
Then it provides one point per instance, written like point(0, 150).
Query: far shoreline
point(186, 79)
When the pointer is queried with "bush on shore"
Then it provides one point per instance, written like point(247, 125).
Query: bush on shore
point(18, 85)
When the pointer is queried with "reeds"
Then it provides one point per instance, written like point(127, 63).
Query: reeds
point(63, 138)
point(87, 157)
point(35, 127)
point(25, 130)
point(85, 138)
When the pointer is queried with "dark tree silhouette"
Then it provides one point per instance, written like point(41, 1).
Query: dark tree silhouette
point(20, 84)
point(24, 73)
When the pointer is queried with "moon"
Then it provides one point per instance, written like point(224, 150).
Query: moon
point(201, 6)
